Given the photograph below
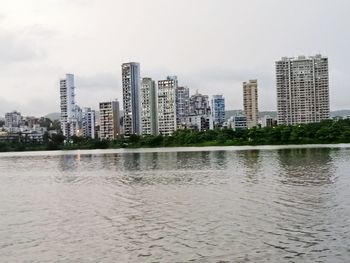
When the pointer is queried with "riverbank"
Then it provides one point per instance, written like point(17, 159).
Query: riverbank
point(326, 132)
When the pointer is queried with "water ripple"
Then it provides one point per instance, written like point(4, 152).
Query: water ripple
point(269, 205)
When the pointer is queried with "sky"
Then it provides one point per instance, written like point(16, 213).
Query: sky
point(212, 46)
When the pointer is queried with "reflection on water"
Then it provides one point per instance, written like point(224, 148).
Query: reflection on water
point(306, 166)
point(277, 205)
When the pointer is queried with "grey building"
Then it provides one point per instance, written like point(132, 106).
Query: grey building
point(238, 121)
point(13, 119)
point(149, 116)
point(131, 83)
point(302, 89)
point(199, 104)
point(88, 123)
point(199, 117)
point(182, 105)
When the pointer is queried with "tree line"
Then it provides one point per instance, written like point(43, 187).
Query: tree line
point(329, 131)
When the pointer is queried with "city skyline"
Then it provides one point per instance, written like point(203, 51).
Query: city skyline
point(43, 40)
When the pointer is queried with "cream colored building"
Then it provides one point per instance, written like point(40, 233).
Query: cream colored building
point(109, 120)
point(250, 102)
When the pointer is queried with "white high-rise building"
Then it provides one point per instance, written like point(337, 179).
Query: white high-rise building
point(109, 120)
point(302, 90)
point(250, 102)
point(131, 82)
point(167, 123)
point(88, 123)
point(69, 122)
point(149, 119)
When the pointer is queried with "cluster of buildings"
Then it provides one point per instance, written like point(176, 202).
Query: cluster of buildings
point(149, 108)
point(18, 127)
point(161, 107)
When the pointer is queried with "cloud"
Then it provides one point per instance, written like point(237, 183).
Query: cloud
point(39, 31)
point(105, 81)
point(15, 49)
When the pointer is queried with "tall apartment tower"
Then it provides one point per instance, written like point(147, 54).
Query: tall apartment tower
point(182, 105)
point(88, 123)
point(131, 83)
point(68, 108)
point(250, 102)
point(167, 123)
point(109, 120)
point(302, 90)
point(149, 119)
point(199, 105)
point(218, 110)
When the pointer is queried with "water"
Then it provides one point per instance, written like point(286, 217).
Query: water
point(235, 204)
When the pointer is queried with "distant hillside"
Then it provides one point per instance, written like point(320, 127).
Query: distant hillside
point(53, 116)
point(342, 113)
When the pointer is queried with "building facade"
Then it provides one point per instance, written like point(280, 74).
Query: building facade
point(88, 123)
point(131, 82)
point(167, 122)
point(238, 121)
point(149, 119)
point(182, 105)
point(109, 120)
point(218, 110)
point(199, 117)
point(302, 90)
point(69, 122)
point(199, 105)
point(250, 102)
point(13, 119)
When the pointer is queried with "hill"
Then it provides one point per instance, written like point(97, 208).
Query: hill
point(53, 116)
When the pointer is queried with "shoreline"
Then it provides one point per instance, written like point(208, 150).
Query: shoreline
point(174, 149)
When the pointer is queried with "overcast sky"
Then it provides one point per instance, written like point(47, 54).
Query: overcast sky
point(212, 46)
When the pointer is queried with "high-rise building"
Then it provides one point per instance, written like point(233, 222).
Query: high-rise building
point(302, 90)
point(199, 105)
point(131, 82)
point(199, 117)
point(88, 123)
point(167, 105)
point(109, 120)
point(218, 110)
point(250, 102)
point(149, 119)
point(69, 122)
point(182, 105)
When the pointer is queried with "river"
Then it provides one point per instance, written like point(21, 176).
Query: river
point(215, 204)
